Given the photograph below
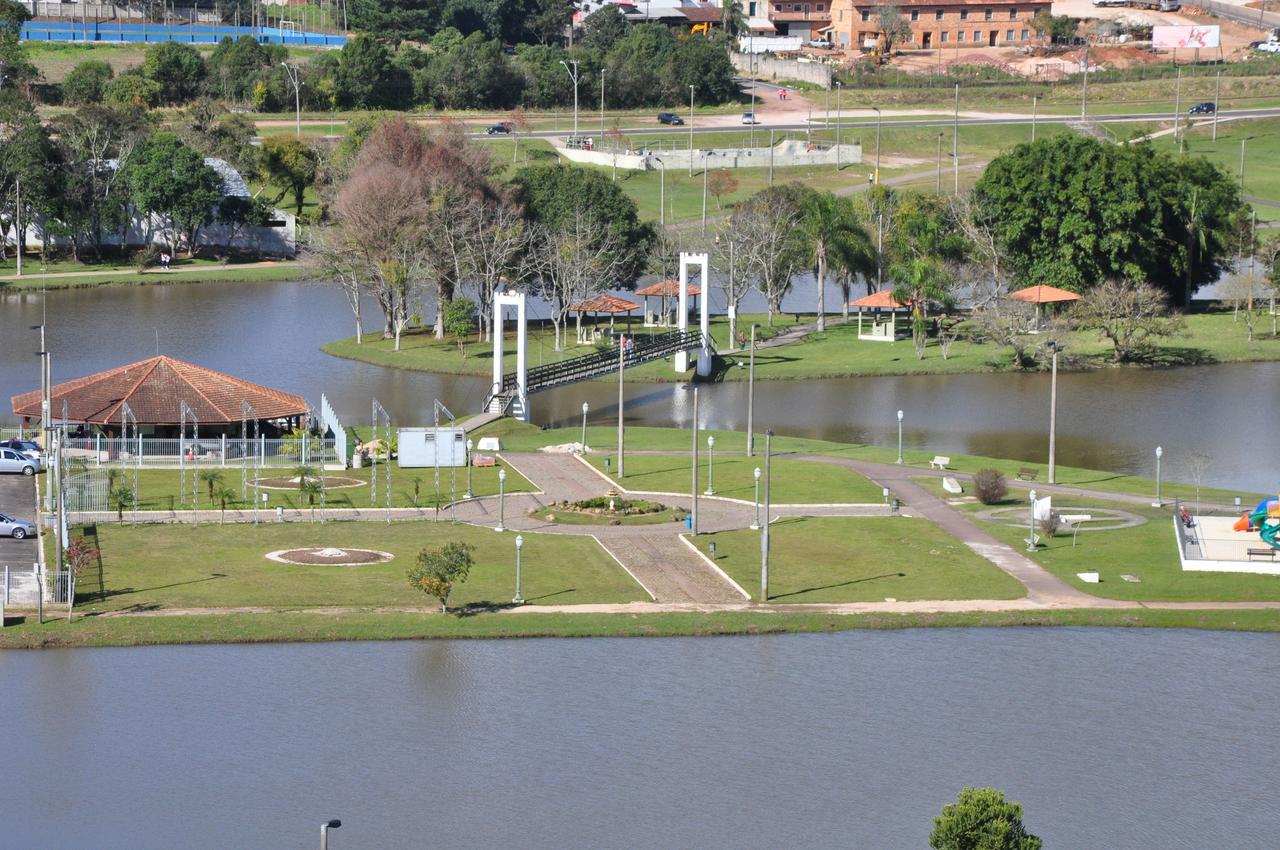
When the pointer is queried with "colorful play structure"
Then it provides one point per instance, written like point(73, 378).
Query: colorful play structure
point(1264, 519)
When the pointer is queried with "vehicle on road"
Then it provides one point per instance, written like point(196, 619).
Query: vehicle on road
point(750, 118)
point(18, 529)
point(501, 128)
point(669, 118)
point(1269, 47)
point(1205, 108)
point(12, 460)
point(30, 448)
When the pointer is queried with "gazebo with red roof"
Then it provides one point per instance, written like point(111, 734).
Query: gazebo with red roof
point(155, 389)
point(877, 302)
point(1043, 294)
point(664, 289)
point(606, 304)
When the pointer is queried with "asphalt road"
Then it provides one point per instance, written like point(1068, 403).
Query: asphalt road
point(18, 499)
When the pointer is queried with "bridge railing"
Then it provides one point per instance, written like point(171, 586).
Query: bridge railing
point(603, 362)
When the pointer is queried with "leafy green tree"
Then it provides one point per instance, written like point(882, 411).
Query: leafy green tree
point(438, 570)
point(638, 69)
point(365, 75)
point(603, 28)
point(460, 321)
point(120, 498)
point(131, 90)
point(834, 235)
point(474, 72)
point(1054, 28)
point(548, 19)
point(211, 478)
point(29, 155)
point(169, 179)
point(703, 64)
point(223, 494)
point(415, 20)
point(918, 282)
point(177, 68)
point(304, 472)
point(554, 195)
point(893, 25)
point(15, 69)
point(234, 66)
point(1074, 212)
point(290, 164)
point(981, 819)
point(87, 82)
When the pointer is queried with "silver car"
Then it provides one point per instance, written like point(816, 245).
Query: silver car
point(18, 529)
point(12, 460)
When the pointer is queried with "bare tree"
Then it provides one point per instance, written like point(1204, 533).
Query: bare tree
point(731, 257)
point(497, 243)
point(986, 273)
point(344, 271)
point(1127, 314)
point(575, 262)
point(895, 27)
point(769, 225)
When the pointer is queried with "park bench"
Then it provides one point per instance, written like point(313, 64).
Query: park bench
point(939, 462)
point(483, 460)
point(1027, 474)
point(1267, 554)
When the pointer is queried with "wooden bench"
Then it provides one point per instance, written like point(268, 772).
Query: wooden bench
point(1267, 554)
point(939, 462)
point(1027, 474)
point(483, 460)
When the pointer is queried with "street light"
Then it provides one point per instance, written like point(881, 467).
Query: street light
point(585, 408)
point(1035, 103)
point(877, 109)
point(711, 472)
point(705, 154)
point(1031, 537)
point(756, 525)
point(839, 88)
point(764, 534)
point(662, 191)
point(899, 436)
point(324, 832)
point(297, 97)
point(573, 75)
point(751, 394)
point(1159, 454)
point(518, 599)
point(602, 70)
point(690, 130)
point(469, 493)
point(693, 453)
point(1055, 348)
point(502, 500)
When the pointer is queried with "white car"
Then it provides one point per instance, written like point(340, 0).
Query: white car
point(1270, 47)
point(750, 118)
point(18, 529)
point(15, 461)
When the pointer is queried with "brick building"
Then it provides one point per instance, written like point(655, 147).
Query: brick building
point(944, 25)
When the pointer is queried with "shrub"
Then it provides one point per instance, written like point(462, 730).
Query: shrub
point(989, 486)
point(1049, 525)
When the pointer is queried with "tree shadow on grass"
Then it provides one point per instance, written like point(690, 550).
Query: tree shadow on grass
point(777, 596)
point(1171, 355)
point(471, 609)
point(124, 591)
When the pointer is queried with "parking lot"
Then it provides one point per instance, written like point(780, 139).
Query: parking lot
point(18, 499)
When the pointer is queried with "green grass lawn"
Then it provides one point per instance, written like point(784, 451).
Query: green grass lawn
point(158, 488)
point(862, 559)
point(174, 566)
point(1262, 151)
point(199, 271)
point(1147, 552)
point(793, 481)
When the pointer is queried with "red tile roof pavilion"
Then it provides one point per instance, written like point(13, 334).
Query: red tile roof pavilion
point(155, 388)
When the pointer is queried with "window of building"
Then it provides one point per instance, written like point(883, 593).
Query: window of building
point(1025, 35)
point(986, 15)
point(960, 36)
point(937, 15)
point(751, 10)
point(1008, 35)
point(964, 14)
point(977, 36)
point(944, 36)
point(915, 14)
point(840, 16)
point(866, 14)
point(821, 7)
point(1013, 13)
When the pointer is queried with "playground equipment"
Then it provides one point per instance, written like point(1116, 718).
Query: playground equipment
point(1265, 519)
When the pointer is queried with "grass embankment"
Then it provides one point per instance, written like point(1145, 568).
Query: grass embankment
point(1261, 139)
point(837, 353)
point(862, 559)
point(181, 566)
point(391, 625)
point(793, 481)
point(65, 274)
point(158, 489)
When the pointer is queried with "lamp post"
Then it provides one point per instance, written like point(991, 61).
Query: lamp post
point(711, 472)
point(1031, 536)
point(1217, 93)
point(1055, 348)
point(324, 832)
point(622, 363)
point(573, 75)
point(297, 97)
point(690, 130)
point(877, 109)
point(693, 491)
point(662, 191)
point(1242, 141)
point(937, 189)
point(955, 141)
point(469, 491)
point(751, 394)
point(518, 599)
point(899, 436)
point(1035, 102)
point(705, 154)
point(756, 525)
point(602, 70)
point(764, 534)
point(839, 88)
point(1159, 454)
point(502, 500)
point(585, 408)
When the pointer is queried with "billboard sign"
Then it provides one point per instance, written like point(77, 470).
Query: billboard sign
point(1174, 38)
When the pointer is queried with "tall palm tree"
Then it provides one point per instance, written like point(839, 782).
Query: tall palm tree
point(917, 282)
point(211, 478)
point(834, 236)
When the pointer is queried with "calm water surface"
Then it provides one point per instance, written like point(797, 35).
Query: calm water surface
point(271, 333)
point(1110, 738)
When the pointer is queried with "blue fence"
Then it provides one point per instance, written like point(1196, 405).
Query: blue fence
point(72, 31)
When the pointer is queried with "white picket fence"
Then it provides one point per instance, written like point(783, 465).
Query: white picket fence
point(216, 451)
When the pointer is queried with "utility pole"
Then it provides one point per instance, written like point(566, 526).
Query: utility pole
point(937, 190)
point(662, 192)
point(879, 250)
point(622, 362)
point(690, 130)
point(1217, 93)
point(764, 528)
point(297, 98)
point(1242, 141)
point(1177, 109)
point(1035, 102)
point(573, 75)
point(877, 175)
point(694, 491)
point(839, 87)
point(771, 157)
point(704, 194)
point(1055, 348)
point(602, 112)
point(1084, 91)
point(751, 394)
point(955, 140)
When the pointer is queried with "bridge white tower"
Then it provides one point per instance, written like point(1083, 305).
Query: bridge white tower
point(520, 404)
point(702, 261)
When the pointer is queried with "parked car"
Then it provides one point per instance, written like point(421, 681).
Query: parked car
point(18, 529)
point(1205, 108)
point(669, 118)
point(1270, 47)
point(750, 118)
point(501, 128)
point(12, 460)
point(28, 447)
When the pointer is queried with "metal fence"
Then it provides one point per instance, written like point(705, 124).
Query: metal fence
point(203, 452)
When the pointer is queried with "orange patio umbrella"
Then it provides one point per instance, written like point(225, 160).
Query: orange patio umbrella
point(1044, 294)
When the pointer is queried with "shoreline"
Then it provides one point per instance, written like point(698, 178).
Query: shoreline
point(275, 272)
